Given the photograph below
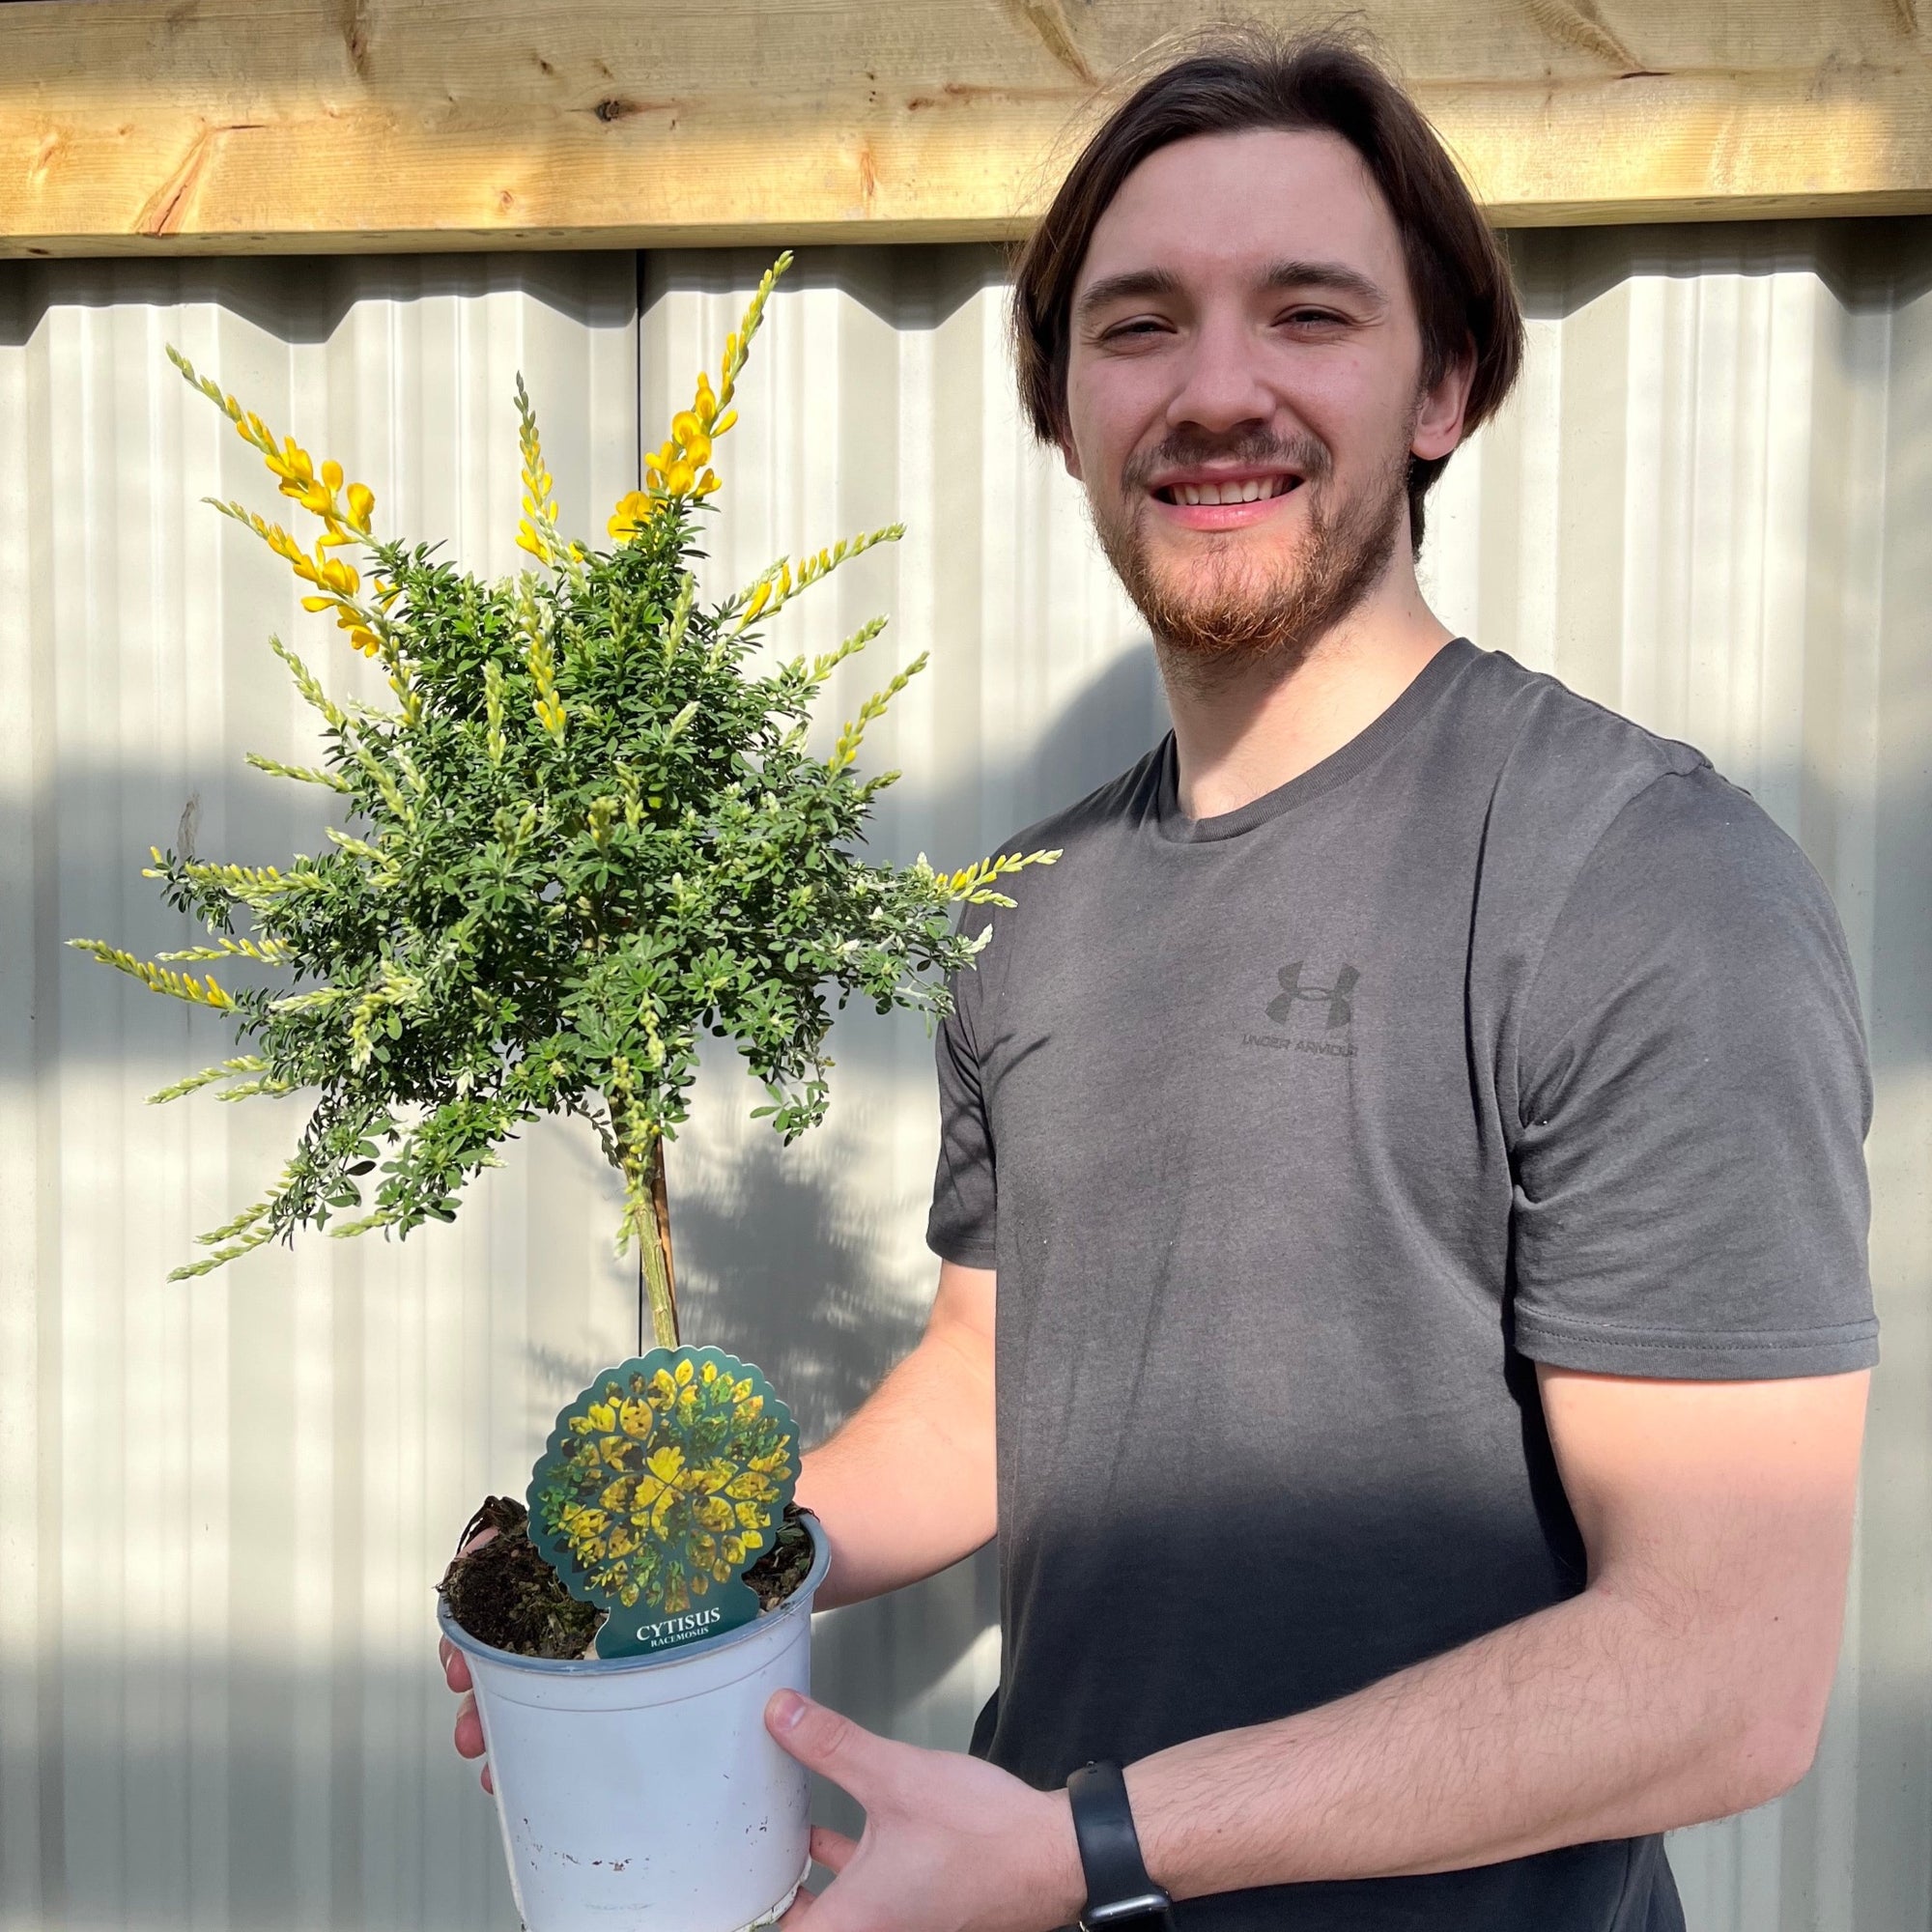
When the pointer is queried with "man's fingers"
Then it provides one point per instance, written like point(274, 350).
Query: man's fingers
point(487, 1782)
point(832, 1849)
point(823, 1740)
point(468, 1727)
point(797, 1912)
point(455, 1666)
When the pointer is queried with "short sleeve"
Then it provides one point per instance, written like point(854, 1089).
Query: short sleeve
point(960, 1227)
point(1690, 1197)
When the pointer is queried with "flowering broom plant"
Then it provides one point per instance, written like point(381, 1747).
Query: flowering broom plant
point(584, 831)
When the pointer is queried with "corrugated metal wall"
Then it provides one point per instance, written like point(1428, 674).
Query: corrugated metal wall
point(220, 1505)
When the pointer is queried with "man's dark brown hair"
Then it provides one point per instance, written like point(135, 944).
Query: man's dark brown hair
point(1246, 79)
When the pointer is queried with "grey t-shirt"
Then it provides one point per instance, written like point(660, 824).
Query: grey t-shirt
point(1510, 1033)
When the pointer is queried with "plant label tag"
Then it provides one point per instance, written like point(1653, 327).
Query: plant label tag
point(662, 1483)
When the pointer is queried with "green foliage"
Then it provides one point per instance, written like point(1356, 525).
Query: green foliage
point(586, 833)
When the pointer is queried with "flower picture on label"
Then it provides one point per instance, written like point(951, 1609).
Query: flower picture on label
point(664, 1481)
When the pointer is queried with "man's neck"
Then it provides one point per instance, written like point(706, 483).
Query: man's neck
point(1243, 731)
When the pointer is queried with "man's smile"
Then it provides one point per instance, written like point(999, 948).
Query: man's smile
point(1222, 498)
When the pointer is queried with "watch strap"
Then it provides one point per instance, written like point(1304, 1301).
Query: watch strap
point(1119, 1890)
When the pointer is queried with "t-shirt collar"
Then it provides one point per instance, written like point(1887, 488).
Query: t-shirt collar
point(1362, 750)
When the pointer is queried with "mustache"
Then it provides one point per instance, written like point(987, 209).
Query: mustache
point(1307, 455)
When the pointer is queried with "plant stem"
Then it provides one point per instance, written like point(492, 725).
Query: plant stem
point(655, 1258)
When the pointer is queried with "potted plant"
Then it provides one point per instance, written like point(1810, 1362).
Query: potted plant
point(587, 830)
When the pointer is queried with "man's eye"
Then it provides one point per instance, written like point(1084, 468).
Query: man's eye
point(1141, 325)
point(1314, 317)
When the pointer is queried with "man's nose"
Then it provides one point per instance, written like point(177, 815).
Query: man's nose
point(1221, 380)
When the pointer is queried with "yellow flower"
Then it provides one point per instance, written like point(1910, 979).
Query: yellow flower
point(680, 466)
point(298, 478)
point(633, 512)
point(537, 533)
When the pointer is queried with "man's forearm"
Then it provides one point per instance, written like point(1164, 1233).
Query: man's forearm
point(906, 1487)
point(1686, 1682)
point(1592, 1719)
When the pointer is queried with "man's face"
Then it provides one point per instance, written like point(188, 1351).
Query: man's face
point(1244, 390)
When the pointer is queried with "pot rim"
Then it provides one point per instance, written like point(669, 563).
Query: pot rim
point(683, 1652)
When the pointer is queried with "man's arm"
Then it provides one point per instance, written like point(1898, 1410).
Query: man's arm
point(906, 1487)
point(1687, 1681)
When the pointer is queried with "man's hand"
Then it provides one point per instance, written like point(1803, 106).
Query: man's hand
point(950, 1844)
point(468, 1726)
point(456, 1674)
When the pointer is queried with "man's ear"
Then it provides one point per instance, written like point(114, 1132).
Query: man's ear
point(1069, 455)
point(1441, 406)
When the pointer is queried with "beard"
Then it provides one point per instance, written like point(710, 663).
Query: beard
point(1228, 611)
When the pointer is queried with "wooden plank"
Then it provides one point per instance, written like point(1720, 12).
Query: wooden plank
point(245, 126)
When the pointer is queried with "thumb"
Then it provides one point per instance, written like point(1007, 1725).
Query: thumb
point(823, 1740)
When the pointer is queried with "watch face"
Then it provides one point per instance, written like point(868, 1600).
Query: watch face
point(1147, 1908)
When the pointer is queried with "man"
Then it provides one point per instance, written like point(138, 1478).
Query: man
point(1415, 1134)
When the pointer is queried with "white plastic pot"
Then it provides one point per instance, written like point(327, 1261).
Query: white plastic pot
point(645, 1793)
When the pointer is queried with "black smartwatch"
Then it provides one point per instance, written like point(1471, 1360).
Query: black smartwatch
point(1119, 1890)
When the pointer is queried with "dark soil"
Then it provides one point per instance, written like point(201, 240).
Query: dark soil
point(504, 1594)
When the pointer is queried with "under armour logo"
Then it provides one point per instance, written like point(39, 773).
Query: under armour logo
point(1341, 1009)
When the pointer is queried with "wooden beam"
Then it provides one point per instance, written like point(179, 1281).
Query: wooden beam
point(209, 127)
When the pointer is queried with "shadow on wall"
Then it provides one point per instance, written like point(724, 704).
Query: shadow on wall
point(305, 301)
point(1119, 718)
point(779, 1264)
point(1875, 263)
point(907, 288)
